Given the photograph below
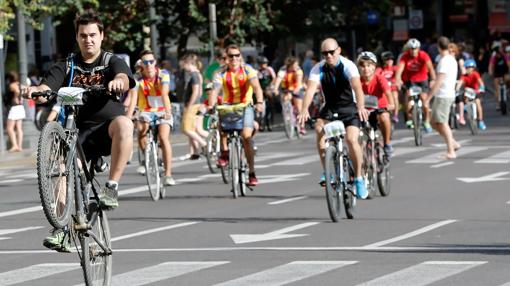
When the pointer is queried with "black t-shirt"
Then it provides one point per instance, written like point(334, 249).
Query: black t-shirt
point(95, 111)
point(190, 79)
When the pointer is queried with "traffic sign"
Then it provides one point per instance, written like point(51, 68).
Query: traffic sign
point(415, 19)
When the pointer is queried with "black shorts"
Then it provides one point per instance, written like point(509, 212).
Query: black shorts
point(348, 116)
point(96, 141)
point(372, 118)
point(423, 84)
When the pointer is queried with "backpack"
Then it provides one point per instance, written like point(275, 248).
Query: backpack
point(105, 60)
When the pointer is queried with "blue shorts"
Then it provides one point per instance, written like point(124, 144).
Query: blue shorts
point(246, 122)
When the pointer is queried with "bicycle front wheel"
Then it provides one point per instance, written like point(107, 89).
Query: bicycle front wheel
point(152, 170)
point(96, 254)
point(234, 168)
point(471, 120)
point(333, 183)
point(55, 175)
point(213, 141)
point(369, 169)
point(287, 120)
point(417, 119)
point(347, 194)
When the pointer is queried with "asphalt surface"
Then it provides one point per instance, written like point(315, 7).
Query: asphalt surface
point(444, 223)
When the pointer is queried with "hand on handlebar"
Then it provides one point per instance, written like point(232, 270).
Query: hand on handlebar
point(363, 114)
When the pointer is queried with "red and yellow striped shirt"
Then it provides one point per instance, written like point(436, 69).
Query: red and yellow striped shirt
point(235, 84)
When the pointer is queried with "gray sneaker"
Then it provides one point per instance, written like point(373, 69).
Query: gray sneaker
point(108, 197)
point(58, 241)
point(169, 181)
point(140, 170)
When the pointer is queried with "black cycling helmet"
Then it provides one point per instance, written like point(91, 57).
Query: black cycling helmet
point(262, 60)
point(387, 55)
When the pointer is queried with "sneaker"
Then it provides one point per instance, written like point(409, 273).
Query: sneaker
point(322, 180)
point(169, 181)
point(252, 180)
point(141, 170)
point(361, 190)
point(57, 241)
point(108, 197)
point(388, 150)
point(223, 160)
point(185, 157)
point(481, 125)
point(428, 128)
point(462, 121)
point(194, 157)
point(302, 131)
point(101, 165)
point(409, 124)
point(395, 118)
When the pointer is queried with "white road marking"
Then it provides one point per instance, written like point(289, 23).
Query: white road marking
point(16, 230)
point(400, 151)
point(266, 179)
point(10, 181)
point(161, 272)
point(461, 142)
point(442, 164)
point(424, 273)
point(287, 200)
point(21, 211)
point(436, 157)
point(500, 158)
point(149, 231)
point(411, 234)
point(35, 272)
point(288, 273)
point(298, 161)
point(273, 235)
point(487, 178)
point(402, 140)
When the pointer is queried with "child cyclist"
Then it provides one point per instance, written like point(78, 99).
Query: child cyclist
point(472, 79)
point(377, 85)
point(388, 71)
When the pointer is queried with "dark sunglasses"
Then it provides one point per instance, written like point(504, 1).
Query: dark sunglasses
point(149, 62)
point(330, 52)
point(231, 56)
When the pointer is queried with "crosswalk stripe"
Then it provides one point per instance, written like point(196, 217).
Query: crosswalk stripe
point(500, 158)
point(287, 273)
point(424, 273)
point(35, 272)
point(436, 157)
point(299, 161)
point(400, 151)
point(161, 272)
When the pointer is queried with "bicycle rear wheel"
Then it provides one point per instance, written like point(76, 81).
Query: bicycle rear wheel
point(383, 172)
point(234, 168)
point(287, 119)
point(333, 183)
point(417, 125)
point(55, 179)
point(369, 170)
point(471, 120)
point(152, 170)
point(213, 144)
point(96, 261)
point(243, 172)
point(347, 194)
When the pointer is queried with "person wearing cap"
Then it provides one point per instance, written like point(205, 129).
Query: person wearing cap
point(376, 84)
point(415, 69)
point(472, 79)
point(388, 70)
point(267, 78)
point(499, 65)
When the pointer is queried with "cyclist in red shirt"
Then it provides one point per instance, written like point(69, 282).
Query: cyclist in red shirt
point(388, 70)
point(415, 69)
point(472, 79)
point(375, 84)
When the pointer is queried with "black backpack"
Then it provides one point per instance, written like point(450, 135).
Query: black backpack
point(70, 67)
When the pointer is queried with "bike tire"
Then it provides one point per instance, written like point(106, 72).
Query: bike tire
point(349, 200)
point(234, 167)
point(369, 170)
point(212, 150)
point(471, 121)
point(333, 184)
point(383, 173)
point(95, 262)
point(152, 170)
point(225, 174)
point(51, 158)
point(417, 126)
point(243, 175)
point(287, 120)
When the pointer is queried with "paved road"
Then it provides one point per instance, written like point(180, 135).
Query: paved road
point(444, 223)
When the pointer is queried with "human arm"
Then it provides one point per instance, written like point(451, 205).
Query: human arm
point(254, 82)
point(431, 72)
point(398, 74)
point(133, 95)
point(360, 98)
point(304, 115)
point(437, 83)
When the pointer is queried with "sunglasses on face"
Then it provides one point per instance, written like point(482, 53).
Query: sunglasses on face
point(330, 52)
point(149, 62)
point(231, 56)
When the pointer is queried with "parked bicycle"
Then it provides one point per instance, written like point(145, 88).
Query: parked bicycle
point(231, 120)
point(68, 188)
point(339, 172)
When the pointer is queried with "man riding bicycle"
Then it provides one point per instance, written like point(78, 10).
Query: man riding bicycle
point(153, 102)
point(267, 79)
point(344, 99)
point(103, 128)
point(238, 82)
point(499, 66)
point(412, 70)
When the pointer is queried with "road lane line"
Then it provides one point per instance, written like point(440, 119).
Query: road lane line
point(140, 233)
point(298, 161)
point(400, 151)
point(411, 234)
point(15, 230)
point(35, 272)
point(500, 158)
point(10, 181)
point(424, 273)
point(161, 272)
point(287, 200)
point(436, 157)
point(288, 273)
point(21, 211)
point(442, 164)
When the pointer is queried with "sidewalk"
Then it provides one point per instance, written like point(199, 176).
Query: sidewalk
point(28, 157)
